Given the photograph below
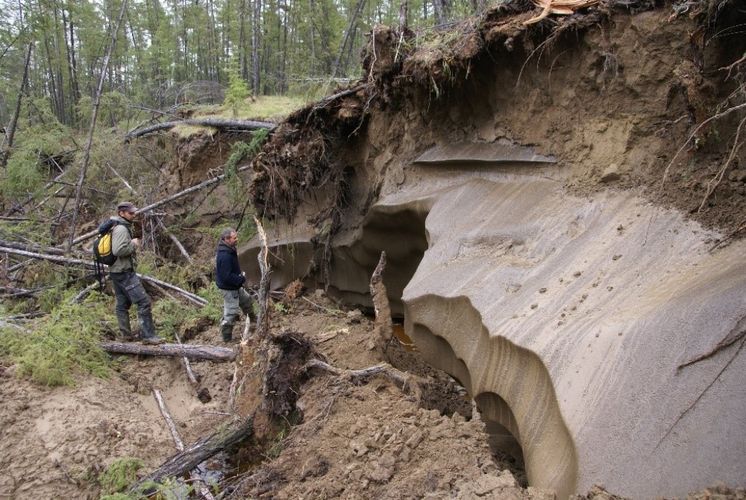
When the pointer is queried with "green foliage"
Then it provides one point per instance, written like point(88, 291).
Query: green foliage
point(113, 107)
point(280, 308)
point(39, 137)
point(171, 315)
point(63, 343)
point(181, 275)
point(237, 91)
point(119, 475)
point(267, 107)
point(240, 151)
point(247, 229)
point(23, 175)
point(123, 472)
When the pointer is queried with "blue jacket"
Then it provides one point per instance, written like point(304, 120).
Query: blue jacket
point(227, 271)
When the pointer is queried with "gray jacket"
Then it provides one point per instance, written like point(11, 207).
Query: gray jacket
point(122, 247)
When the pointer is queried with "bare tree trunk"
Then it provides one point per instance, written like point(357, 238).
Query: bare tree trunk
point(243, 67)
point(70, 62)
point(255, 41)
point(283, 63)
point(442, 11)
point(97, 101)
point(201, 185)
point(14, 121)
point(403, 15)
point(351, 27)
point(73, 62)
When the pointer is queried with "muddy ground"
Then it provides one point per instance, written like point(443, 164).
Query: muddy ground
point(353, 441)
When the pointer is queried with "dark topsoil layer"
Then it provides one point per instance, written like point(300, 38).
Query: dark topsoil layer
point(617, 93)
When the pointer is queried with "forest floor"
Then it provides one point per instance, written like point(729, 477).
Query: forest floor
point(353, 441)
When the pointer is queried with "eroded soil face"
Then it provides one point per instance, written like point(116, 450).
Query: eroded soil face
point(54, 442)
point(374, 439)
point(371, 439)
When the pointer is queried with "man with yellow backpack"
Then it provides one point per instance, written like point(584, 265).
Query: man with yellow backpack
point(117, 248)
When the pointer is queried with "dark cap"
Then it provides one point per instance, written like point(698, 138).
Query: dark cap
point(126, 206)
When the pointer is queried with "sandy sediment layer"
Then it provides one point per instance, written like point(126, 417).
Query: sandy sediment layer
point(568, 318)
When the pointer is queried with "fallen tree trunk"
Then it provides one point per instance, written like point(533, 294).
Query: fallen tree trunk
point(31, 247)
point(195, 299)
point(191, 457)
point(203, 122)
point(195, 475)
point(206, 352)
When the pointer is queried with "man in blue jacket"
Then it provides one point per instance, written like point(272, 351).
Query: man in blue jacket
point(230, 280)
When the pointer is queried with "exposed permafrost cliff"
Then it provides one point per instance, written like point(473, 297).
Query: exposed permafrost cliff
point(565, 308)
point(567, 319)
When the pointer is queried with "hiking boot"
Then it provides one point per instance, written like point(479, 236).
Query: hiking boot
point(226, 331)
point(153, 341)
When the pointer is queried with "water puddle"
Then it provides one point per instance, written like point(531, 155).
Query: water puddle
point(403, 338)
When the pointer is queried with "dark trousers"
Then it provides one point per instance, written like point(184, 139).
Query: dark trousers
point(129, 290)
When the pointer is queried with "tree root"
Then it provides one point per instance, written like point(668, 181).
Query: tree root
point(405, 381)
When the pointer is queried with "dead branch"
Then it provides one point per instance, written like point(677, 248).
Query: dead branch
point(733, 336)
point(175, 241)
point(333, 312)
point(84, 292)
point(52, 258)
point(329, 99)
point(191, 457)
point(202, 122)
point(31, 247)
point(203, 394)
point(404, 381)
point(14, 119)
point(30, 198)
point(262, 319)
point(701, 394)
point(159, 220)
point(168, 199)
point(201, 352)
point(196, 299)
point(12, 292)
point(169, 421)
point(194, 475)
point(187, 366)
point(383, 329)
